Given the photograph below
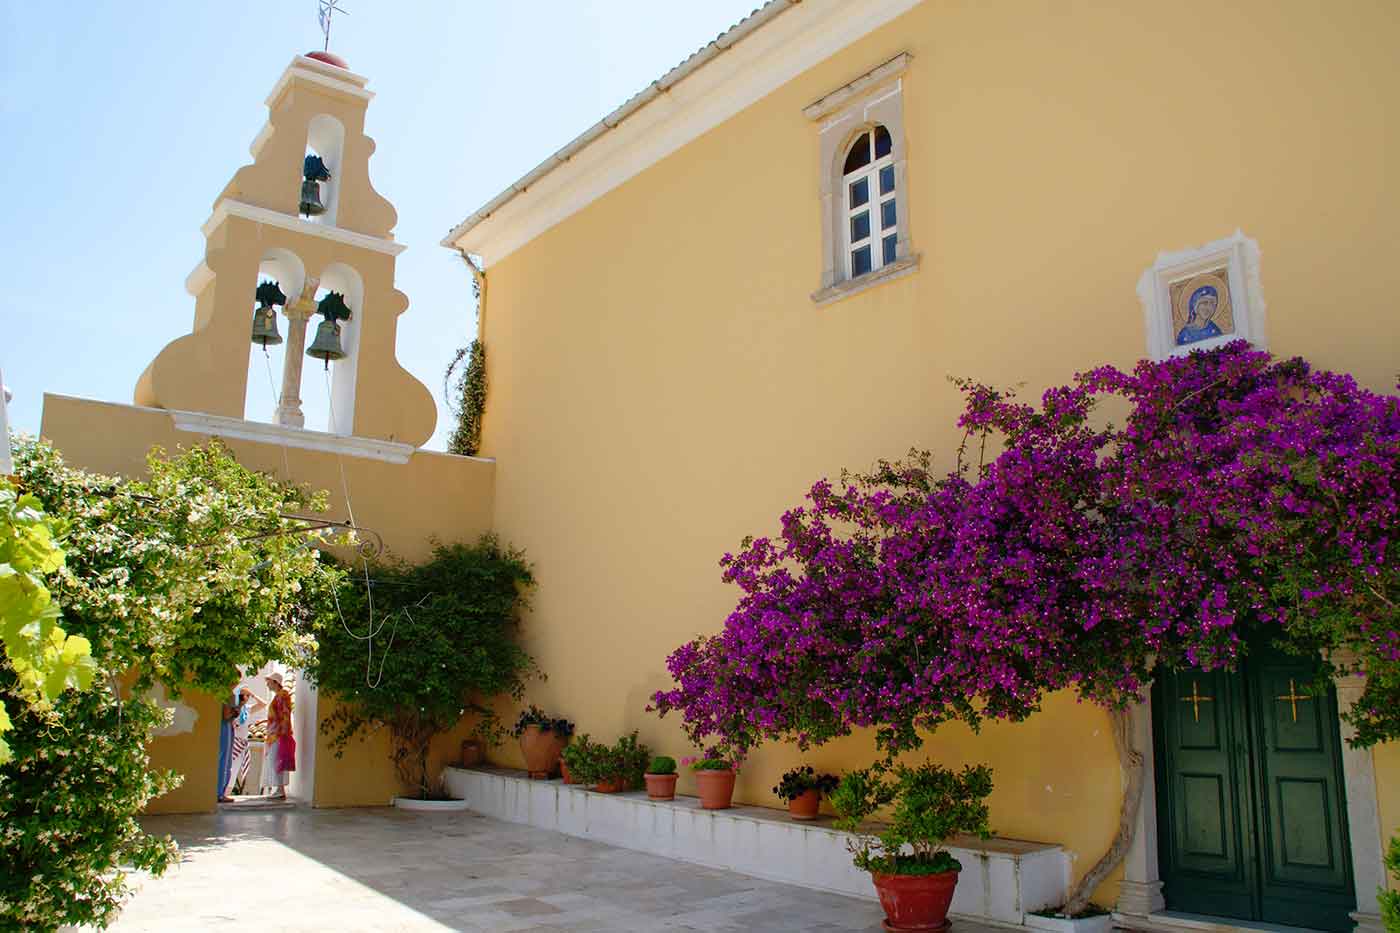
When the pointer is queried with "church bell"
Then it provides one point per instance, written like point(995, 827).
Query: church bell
point(265, 327)
point(265, 316)
point(326, 346)
point(311, 198)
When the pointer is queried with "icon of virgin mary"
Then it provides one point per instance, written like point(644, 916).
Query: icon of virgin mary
point(1204, 303)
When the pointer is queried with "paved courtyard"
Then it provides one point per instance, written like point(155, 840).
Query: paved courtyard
point(384, 869)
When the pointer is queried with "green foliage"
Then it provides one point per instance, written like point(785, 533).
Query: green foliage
point(534, 716)
point(662, 764)
point(444, 642)
point(798, 781)
point(710, 764)
point(180, 578)
point(930, 804)
point(467, 399)
point(44, 659)
point(1390, 900)
point(591, 762)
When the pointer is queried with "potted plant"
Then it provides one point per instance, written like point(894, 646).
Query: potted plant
point(914, 874)
point(714, 778)
point(488, 731)
point(803, 790)
point(610, 768)
point(542, 738)
point(576, 760)
point(661, 778)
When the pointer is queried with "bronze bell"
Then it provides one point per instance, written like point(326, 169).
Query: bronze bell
point(265, 327)
point(326, 346)
point(311, 198)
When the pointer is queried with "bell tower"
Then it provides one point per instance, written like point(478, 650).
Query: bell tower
point(299, 233)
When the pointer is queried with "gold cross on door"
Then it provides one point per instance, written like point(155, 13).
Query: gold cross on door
point(1195, 699)
point(1292, 697)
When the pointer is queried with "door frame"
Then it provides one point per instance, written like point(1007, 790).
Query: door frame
point(1140, 901)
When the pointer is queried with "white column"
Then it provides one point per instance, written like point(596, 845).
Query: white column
point(6, 465)
point(297, 312)
point(1363, 812)
point(1140, 891)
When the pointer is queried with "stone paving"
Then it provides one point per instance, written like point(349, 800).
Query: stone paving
point(383, 869)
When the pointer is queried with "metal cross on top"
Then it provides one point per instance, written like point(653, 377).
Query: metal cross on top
point(328, 8)
point(1195, 699)
point(1292, 697)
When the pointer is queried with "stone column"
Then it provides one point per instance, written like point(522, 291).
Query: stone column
point(1140, 891)
point(298, 313)
point(1363, 812)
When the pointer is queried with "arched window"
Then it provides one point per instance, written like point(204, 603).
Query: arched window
point(872, 236)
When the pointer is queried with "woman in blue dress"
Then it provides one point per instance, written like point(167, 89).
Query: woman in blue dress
point(1205, 301)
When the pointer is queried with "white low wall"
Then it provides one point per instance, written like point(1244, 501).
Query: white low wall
point(1002, 879)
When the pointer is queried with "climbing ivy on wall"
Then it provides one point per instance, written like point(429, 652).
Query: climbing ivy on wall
point(467, 396)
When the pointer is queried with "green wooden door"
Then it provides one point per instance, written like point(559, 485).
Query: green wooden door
point(1251, 804)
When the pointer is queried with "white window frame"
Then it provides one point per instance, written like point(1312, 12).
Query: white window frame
point(876, 98)
point(874, 205)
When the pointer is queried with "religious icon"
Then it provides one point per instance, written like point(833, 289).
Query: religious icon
point(1201, 307)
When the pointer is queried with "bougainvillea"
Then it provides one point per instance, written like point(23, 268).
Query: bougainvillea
point(1239, 492)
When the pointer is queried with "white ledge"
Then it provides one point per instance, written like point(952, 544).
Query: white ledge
point(838, 98)
point(262, 215)
point(1002, 879)
point(845, 289)
point(365, 448)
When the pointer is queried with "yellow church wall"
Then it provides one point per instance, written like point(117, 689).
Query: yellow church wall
point(432, 496)
point(661, 384)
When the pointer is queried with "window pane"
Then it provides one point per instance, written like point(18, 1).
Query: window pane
point(889, 242)
point(860, 192)
point(882, 142)
point(859, 154)
point(887, 215)
point(860, 226)
point(887, 179)
point(860, 261)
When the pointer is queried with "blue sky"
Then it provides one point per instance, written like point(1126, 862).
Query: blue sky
point(121, 122)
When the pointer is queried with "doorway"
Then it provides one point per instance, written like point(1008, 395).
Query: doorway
point(1251, 801)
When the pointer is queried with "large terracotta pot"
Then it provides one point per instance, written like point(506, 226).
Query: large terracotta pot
point(916, 903)
point(541, 750)
point(472, 753)
point(716, 789)
point(805, 805)
point(661, 786)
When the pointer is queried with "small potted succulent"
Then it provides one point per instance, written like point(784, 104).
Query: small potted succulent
point(542, 737)
point(803, 790)
point(661, 778)
point(714, 780)
point(914, 873)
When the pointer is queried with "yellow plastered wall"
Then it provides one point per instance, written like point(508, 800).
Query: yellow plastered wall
point(662, 385)
point(432, 496)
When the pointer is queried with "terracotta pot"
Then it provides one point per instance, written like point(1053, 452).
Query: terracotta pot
point(612, 785)
point(916, 903)
point(472, 753)
point(661, 786)
point(805, 805)
point(716, 789)
point(541, 750)
point(564, 771)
